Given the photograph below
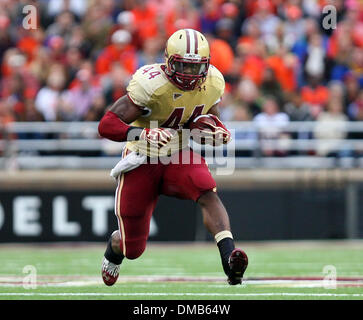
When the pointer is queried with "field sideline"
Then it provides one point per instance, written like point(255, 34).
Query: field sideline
point(277, 270)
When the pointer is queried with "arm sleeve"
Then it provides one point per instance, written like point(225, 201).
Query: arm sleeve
point(113, 128)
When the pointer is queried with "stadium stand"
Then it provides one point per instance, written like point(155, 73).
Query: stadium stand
point(293, 88)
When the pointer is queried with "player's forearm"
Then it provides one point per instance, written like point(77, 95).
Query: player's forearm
point(113, 128)
point(214, 110)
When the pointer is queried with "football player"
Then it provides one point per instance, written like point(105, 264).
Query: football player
point(172, 95)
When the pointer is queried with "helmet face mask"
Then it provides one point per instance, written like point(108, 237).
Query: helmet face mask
point(189, 68)
point(187, 59)
point(187, 74)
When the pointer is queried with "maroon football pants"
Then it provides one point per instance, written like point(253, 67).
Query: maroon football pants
point(186, 176)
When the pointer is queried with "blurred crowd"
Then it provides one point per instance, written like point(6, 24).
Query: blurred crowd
point(281, 62)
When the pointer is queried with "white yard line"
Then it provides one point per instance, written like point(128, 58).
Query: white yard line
point(201, 294)
point(259, 283)
point(139, 281)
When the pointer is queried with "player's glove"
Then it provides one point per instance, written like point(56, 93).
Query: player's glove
point(157, 137)
point(217, 134)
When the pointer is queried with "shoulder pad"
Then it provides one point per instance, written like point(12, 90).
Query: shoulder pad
point(145, 81)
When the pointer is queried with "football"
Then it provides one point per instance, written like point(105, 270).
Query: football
point(198, 124)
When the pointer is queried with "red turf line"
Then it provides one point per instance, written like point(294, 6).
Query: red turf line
point(306, 278)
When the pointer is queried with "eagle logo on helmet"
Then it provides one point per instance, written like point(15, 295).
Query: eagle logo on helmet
point(187, 58)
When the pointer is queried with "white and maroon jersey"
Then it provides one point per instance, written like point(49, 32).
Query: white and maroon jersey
point(165, 105)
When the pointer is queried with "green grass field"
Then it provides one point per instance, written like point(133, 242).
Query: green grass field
point(277, 270)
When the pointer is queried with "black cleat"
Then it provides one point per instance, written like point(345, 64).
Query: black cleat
point(238, 262)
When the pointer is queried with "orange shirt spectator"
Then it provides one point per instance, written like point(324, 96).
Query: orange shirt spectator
point(246, 42)
point(145, 19)
point(315, 96)
point(284, 71)
point(252, 68)
point(252, 6)
point(119, 51)
point(29, 46)
point(221, 55)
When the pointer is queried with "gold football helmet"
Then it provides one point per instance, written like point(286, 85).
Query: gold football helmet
point(187, 58)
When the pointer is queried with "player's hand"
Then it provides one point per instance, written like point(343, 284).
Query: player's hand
point(157, 137)
point(217, 134)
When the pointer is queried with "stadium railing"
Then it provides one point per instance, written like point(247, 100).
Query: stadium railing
point(77, 145)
